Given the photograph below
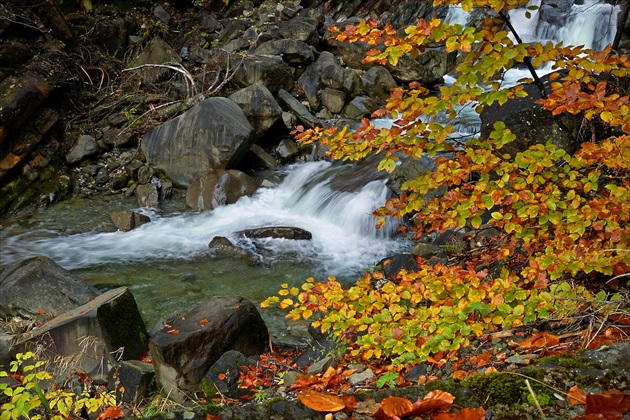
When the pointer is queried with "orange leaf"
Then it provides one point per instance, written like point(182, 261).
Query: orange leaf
point(350, 401)
point(212, 417)
point(460, 374)
point(396, 406)
point(539, 340)
point(434, 400)
point(221, 376)
point(321, 402)
point(173, 331)
point(576, 395)
point(464, 414)
point(111, 413)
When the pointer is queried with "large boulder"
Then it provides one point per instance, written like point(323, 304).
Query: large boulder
point(271, 72)
point(218, 188)
point(531, 123)
point(126, 220)
point(186, 347)
point(93, 335)
point(40, 284)
point(259, 105)
point(214, 134)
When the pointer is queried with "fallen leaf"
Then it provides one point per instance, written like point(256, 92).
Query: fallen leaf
point(367, 407)
point(460, 374)
point(539, 340)
point(612, 404)
point(173, 331)
point(464, 414)
point(482, 359)
point(576, 395)
point(111, 413)
point(434, 400)
point(350, 401)
point(212, 417)
point(221, 376)
point(319, 401)
point(490, 369)
point(330, 372)
point(396, 406)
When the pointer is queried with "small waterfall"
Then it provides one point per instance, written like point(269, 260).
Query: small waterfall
point(344, 235)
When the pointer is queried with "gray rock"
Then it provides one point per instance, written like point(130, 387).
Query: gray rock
point(147, 195)
point(357, 378)
point(359, 107)
point(409, 169)
point(223, 246)
point(334, 100)
point(135, 377)
point(292, 51)
point(302, 29)
point(290, 120)
point(218, 188)
point(257, 158)
point(144, 174)
point(531, 123)
point(39, 284)
point(271, 72)
point(377, 83)
point(158, 52)
point(523, 359)
point(214, 134)
point(278, 232)
point(554, 12)
point(223, 374)
point(161, 14)
point(426, 251)
point(287, 149)
point(20, 97)
point(85, 147)
point(392, 265)
point(259, 106)
point(299, 110)
point(102, 176)
point(109, 323)
point(127, 220)
point(220, 324)
point(320, 366)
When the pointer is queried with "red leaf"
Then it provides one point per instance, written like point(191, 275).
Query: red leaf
point(396, 406)
point(397, 333)
point(321, 402)
point(111, 413)
point(350, 401)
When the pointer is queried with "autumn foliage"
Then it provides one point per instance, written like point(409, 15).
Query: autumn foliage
point(559, 221)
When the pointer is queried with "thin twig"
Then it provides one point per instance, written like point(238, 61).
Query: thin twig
point(531, 391)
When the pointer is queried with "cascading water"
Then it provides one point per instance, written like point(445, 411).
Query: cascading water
point(167, 262)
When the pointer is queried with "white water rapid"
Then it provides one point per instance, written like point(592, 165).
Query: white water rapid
point(344, 236)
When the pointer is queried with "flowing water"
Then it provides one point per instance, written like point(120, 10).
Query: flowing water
point(167, 263)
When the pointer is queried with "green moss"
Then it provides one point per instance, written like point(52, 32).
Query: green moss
point(571, 361)
point(497, 388)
